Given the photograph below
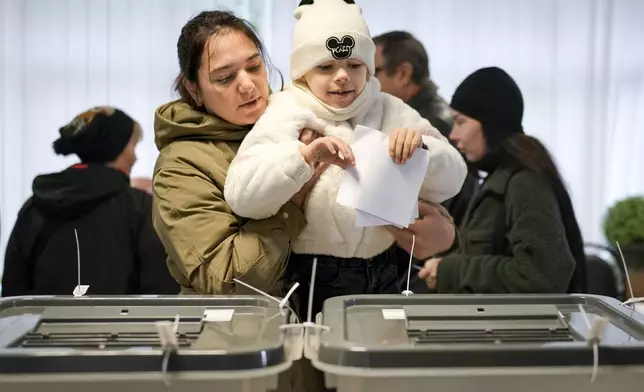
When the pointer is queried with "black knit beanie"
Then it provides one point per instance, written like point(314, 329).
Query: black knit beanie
point(492, 97)
point(98, 135)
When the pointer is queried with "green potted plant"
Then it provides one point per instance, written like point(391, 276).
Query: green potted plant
point(624, 224)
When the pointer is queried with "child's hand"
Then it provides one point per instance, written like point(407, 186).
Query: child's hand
point(328, 149)
point(308, 135)
point(402, 144)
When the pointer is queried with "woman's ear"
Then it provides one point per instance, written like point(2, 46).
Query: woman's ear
point(193, 90)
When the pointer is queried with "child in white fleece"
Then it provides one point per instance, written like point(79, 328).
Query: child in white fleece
point(333, 89)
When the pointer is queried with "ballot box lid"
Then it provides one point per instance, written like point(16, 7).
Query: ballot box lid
point(464, 331)
point(50, 334)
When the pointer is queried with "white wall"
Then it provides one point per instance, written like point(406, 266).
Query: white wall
point(578, 62)
point(60, 57)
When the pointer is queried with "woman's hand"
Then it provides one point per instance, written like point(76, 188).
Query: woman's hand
point(328, 149)
point(434, 231)
point(300, 197)
point(402, 144)
point(429, 272)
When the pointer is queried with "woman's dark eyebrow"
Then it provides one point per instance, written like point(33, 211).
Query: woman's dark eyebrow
point(227, 66)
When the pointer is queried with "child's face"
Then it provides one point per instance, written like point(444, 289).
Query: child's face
point(337, 82)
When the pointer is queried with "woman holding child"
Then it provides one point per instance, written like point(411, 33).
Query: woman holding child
point(224, 91)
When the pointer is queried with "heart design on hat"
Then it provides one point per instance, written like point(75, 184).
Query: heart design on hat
point(340, 49)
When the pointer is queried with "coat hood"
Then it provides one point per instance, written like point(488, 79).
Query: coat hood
point(177, 120)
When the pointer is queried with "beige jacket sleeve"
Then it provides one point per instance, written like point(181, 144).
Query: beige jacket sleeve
point(207, 245)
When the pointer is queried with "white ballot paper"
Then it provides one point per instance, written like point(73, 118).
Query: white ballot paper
point(381, 191)
point(364, 219)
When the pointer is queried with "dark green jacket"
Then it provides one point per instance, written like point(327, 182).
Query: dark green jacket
point(537, 258)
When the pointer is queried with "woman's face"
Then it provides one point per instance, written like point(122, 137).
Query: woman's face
point(467, 134)
point(233, 83)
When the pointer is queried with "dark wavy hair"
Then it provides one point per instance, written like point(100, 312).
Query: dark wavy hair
point(193, 38)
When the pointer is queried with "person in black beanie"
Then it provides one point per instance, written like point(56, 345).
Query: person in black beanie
point(101, 135)
point(120, 252)
point(520, 234)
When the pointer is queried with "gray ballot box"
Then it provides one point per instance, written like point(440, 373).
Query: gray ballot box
point(111, 343)
point(495, 343)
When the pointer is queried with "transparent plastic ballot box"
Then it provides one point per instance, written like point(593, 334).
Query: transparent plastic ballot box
point(113, 344)
point(495, 343)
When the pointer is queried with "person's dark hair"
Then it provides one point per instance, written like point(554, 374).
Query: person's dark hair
point(193, 38)
point(528, 152)
point(399, 47)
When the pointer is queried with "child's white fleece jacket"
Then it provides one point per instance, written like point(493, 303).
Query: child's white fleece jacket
point(269, 168)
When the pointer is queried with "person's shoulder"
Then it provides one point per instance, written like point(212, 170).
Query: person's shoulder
point(393, 105)
point(388, 99)
point(286, 98)
point(27, 207)
point(397, 113)
point(530, 187)
point(285, 102)
point(522, 178)
point(142, 197)
point(186, 160)
point(202, 155)
point(141, 201)
point(286, 114)
point(285, 95)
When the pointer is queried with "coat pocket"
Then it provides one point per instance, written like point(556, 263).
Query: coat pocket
point(478, 242)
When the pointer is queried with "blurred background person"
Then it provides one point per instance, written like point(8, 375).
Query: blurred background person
point(118, 249)
point(402, 67)
point(520, 234)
